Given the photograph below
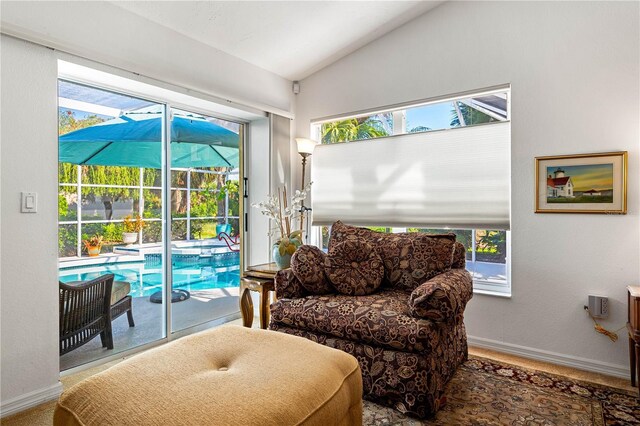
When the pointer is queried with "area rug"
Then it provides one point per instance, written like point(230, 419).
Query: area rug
point(486, 392)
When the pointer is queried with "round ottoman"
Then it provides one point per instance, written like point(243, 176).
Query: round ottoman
point(229, 375)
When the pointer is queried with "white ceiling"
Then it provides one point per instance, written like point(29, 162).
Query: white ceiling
point(289, 38)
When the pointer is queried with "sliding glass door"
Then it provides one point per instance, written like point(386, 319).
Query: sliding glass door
point(149, 194)
point(205, 218)
point(109, 218)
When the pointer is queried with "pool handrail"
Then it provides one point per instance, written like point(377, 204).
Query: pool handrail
point(223, 236)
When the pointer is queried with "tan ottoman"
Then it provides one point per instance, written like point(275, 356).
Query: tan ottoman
point(229, 375)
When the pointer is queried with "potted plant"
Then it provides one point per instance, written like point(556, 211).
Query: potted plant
point(131, 229)
point(277, 208)
point(93, 245)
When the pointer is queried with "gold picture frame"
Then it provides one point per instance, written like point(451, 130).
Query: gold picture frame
point(582, 183)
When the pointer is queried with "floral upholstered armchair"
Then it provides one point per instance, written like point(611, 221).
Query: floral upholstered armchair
point(394, 301)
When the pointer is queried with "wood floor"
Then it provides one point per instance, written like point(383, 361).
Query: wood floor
point(43, 414)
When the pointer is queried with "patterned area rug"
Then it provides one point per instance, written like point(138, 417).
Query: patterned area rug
point(485, 392)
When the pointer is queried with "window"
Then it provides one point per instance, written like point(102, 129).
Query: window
point(487, 249)
point(420, 117)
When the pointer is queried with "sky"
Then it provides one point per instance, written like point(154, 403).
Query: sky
point(586, 177)
point(437, 116)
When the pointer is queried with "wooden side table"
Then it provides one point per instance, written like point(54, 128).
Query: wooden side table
point(258, 278)
point(633, 326)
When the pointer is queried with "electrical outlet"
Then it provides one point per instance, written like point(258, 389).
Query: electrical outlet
point(604, 304)
point(598, 306)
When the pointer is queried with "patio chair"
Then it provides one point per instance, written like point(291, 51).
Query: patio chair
point(85, 312)
point(119, 300)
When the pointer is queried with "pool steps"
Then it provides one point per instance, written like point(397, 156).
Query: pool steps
point(201, 248)
point(103, 259)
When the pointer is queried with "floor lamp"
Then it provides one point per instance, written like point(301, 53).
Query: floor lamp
point(305, 149)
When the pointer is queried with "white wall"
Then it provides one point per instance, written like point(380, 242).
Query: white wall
point(574, 71)
point(29, 262)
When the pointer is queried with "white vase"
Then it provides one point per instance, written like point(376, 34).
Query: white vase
point(129, 238)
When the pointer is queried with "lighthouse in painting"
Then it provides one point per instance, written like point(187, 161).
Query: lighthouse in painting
point(559, 185)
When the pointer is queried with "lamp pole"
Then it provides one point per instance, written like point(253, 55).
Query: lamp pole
point(302, 207)
point(305, 149)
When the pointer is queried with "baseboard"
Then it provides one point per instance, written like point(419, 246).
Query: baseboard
point(30, 399)
point(552, 357)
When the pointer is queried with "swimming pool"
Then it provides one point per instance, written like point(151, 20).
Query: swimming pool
point(190, 273)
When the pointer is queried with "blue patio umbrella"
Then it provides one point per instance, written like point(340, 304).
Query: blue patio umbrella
point(133, 140)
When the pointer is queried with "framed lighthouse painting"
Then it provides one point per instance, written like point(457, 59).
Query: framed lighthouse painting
point(582, 183)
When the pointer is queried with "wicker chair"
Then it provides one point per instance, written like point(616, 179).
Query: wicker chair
point(85, 312)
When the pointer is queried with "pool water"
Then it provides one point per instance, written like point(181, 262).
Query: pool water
point(190, 273)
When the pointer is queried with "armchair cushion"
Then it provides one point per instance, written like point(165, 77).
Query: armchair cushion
point(287, 285)
point(119, 291)
point(409, 258)
point(307, 264)
point(354, 268)
point(444, 297)
point(378, 319)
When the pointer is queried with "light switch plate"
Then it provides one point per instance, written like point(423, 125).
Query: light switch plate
point(28, 202)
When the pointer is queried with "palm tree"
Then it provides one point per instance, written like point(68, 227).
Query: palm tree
point(419, 129)
point(353, 129)
point(470, 115)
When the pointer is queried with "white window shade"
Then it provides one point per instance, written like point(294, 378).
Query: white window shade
point(458, 178)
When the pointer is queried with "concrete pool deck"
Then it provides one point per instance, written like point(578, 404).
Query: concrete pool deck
point(137, 252)
point(203, 306)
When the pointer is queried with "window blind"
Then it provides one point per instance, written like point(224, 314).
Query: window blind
point(457, 178)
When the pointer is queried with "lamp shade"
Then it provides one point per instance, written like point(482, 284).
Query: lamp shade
point(306, 146)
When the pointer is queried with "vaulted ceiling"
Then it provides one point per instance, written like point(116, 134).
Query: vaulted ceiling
point(290, 38)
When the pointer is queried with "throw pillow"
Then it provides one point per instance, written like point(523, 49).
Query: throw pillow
point(444, 297)
point(459, 256)
point(409, 258)
point(307, 264)
point(354, 267)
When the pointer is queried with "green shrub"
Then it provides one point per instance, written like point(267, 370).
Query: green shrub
point(379, 228)
point(67, 240)
point(152, 232)
point(63, 206)
point(112, 232)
